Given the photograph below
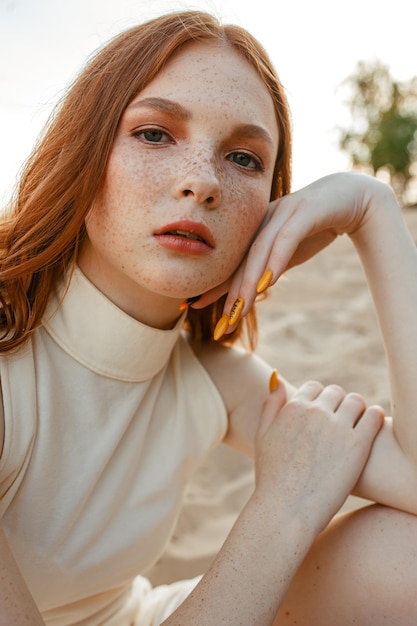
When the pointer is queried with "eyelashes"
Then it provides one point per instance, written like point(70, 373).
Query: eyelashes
point(153, 135)
point(246, 160)
point(158, 136)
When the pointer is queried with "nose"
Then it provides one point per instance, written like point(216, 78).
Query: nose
point(200, 183)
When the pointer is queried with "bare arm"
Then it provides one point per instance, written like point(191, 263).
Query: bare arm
point(366, 210)
point(308, 454)
point(276, 528)
point(245, 585)
point(389, 258)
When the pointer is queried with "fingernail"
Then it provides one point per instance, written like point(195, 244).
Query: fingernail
point(221, 327)
point(184, 305)
point(236, 311)
point(264, 281)
point(273, 381)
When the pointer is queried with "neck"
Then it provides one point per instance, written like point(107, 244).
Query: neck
point(147, 307)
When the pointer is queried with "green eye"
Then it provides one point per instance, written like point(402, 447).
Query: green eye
point(153, 135)
point(246, 160)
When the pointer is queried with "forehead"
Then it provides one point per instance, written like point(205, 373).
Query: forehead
point(214, 75)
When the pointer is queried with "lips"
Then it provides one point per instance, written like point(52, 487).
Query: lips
point(186, 237)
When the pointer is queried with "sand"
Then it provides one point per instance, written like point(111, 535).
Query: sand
point(318, 323)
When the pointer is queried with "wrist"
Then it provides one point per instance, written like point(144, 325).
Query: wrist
point(276, 514)
point(380, 208)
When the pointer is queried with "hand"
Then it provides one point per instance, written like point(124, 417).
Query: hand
point(296, 228)
point(310, 450)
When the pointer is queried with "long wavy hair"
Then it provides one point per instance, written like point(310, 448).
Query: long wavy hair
point(44, 226)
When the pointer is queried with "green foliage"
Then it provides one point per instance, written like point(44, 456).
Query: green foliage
point(383, 134)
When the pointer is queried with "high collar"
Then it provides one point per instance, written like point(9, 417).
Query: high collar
point(99, 335)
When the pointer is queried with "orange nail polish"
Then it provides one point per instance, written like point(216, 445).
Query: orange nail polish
point(221, 327)
point(183, 306)
point(273, 381)
point(264, 281)
point(236, 310)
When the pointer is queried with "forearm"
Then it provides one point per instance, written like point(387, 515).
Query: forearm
point(389, 258)
point(250, 576)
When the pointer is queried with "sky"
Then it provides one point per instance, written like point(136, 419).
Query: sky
point(314, 44)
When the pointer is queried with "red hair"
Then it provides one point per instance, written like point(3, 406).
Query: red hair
point(42, 231)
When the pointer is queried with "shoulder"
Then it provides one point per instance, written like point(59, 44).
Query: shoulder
point(235, 371)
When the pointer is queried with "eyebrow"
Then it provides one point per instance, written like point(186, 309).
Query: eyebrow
point(253, 131)
point(162, 104)
point(174, 108)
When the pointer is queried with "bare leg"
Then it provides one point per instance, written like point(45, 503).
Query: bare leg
point(361, 570)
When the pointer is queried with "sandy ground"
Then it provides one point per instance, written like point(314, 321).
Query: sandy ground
point(317, 323)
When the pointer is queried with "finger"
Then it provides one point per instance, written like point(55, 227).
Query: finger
point(274, 247)
point(253, 267)
point(351, 408)
point(234, 291)
point(258, 260)
point(370, 423)
point(212, 295)
point(331, 397)
point(291, 234)
point(272, 405)
point(261, 257)
point(309, 390)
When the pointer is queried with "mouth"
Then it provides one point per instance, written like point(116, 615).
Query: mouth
point(186, 235)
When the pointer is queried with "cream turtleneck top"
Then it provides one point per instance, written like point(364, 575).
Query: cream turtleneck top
point(105, 421)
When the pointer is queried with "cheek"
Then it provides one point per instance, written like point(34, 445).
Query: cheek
point(108, 223)
point(244, 221)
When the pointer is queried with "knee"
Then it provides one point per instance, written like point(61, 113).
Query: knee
point(376, 547)
point(375, 535)
point(378, 526)
point(363, 565)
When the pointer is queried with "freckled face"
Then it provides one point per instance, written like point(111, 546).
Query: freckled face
point(188, 181)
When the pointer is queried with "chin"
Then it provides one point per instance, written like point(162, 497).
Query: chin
point(184, 291)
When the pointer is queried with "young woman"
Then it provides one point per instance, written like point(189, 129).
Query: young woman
point(165, 176)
